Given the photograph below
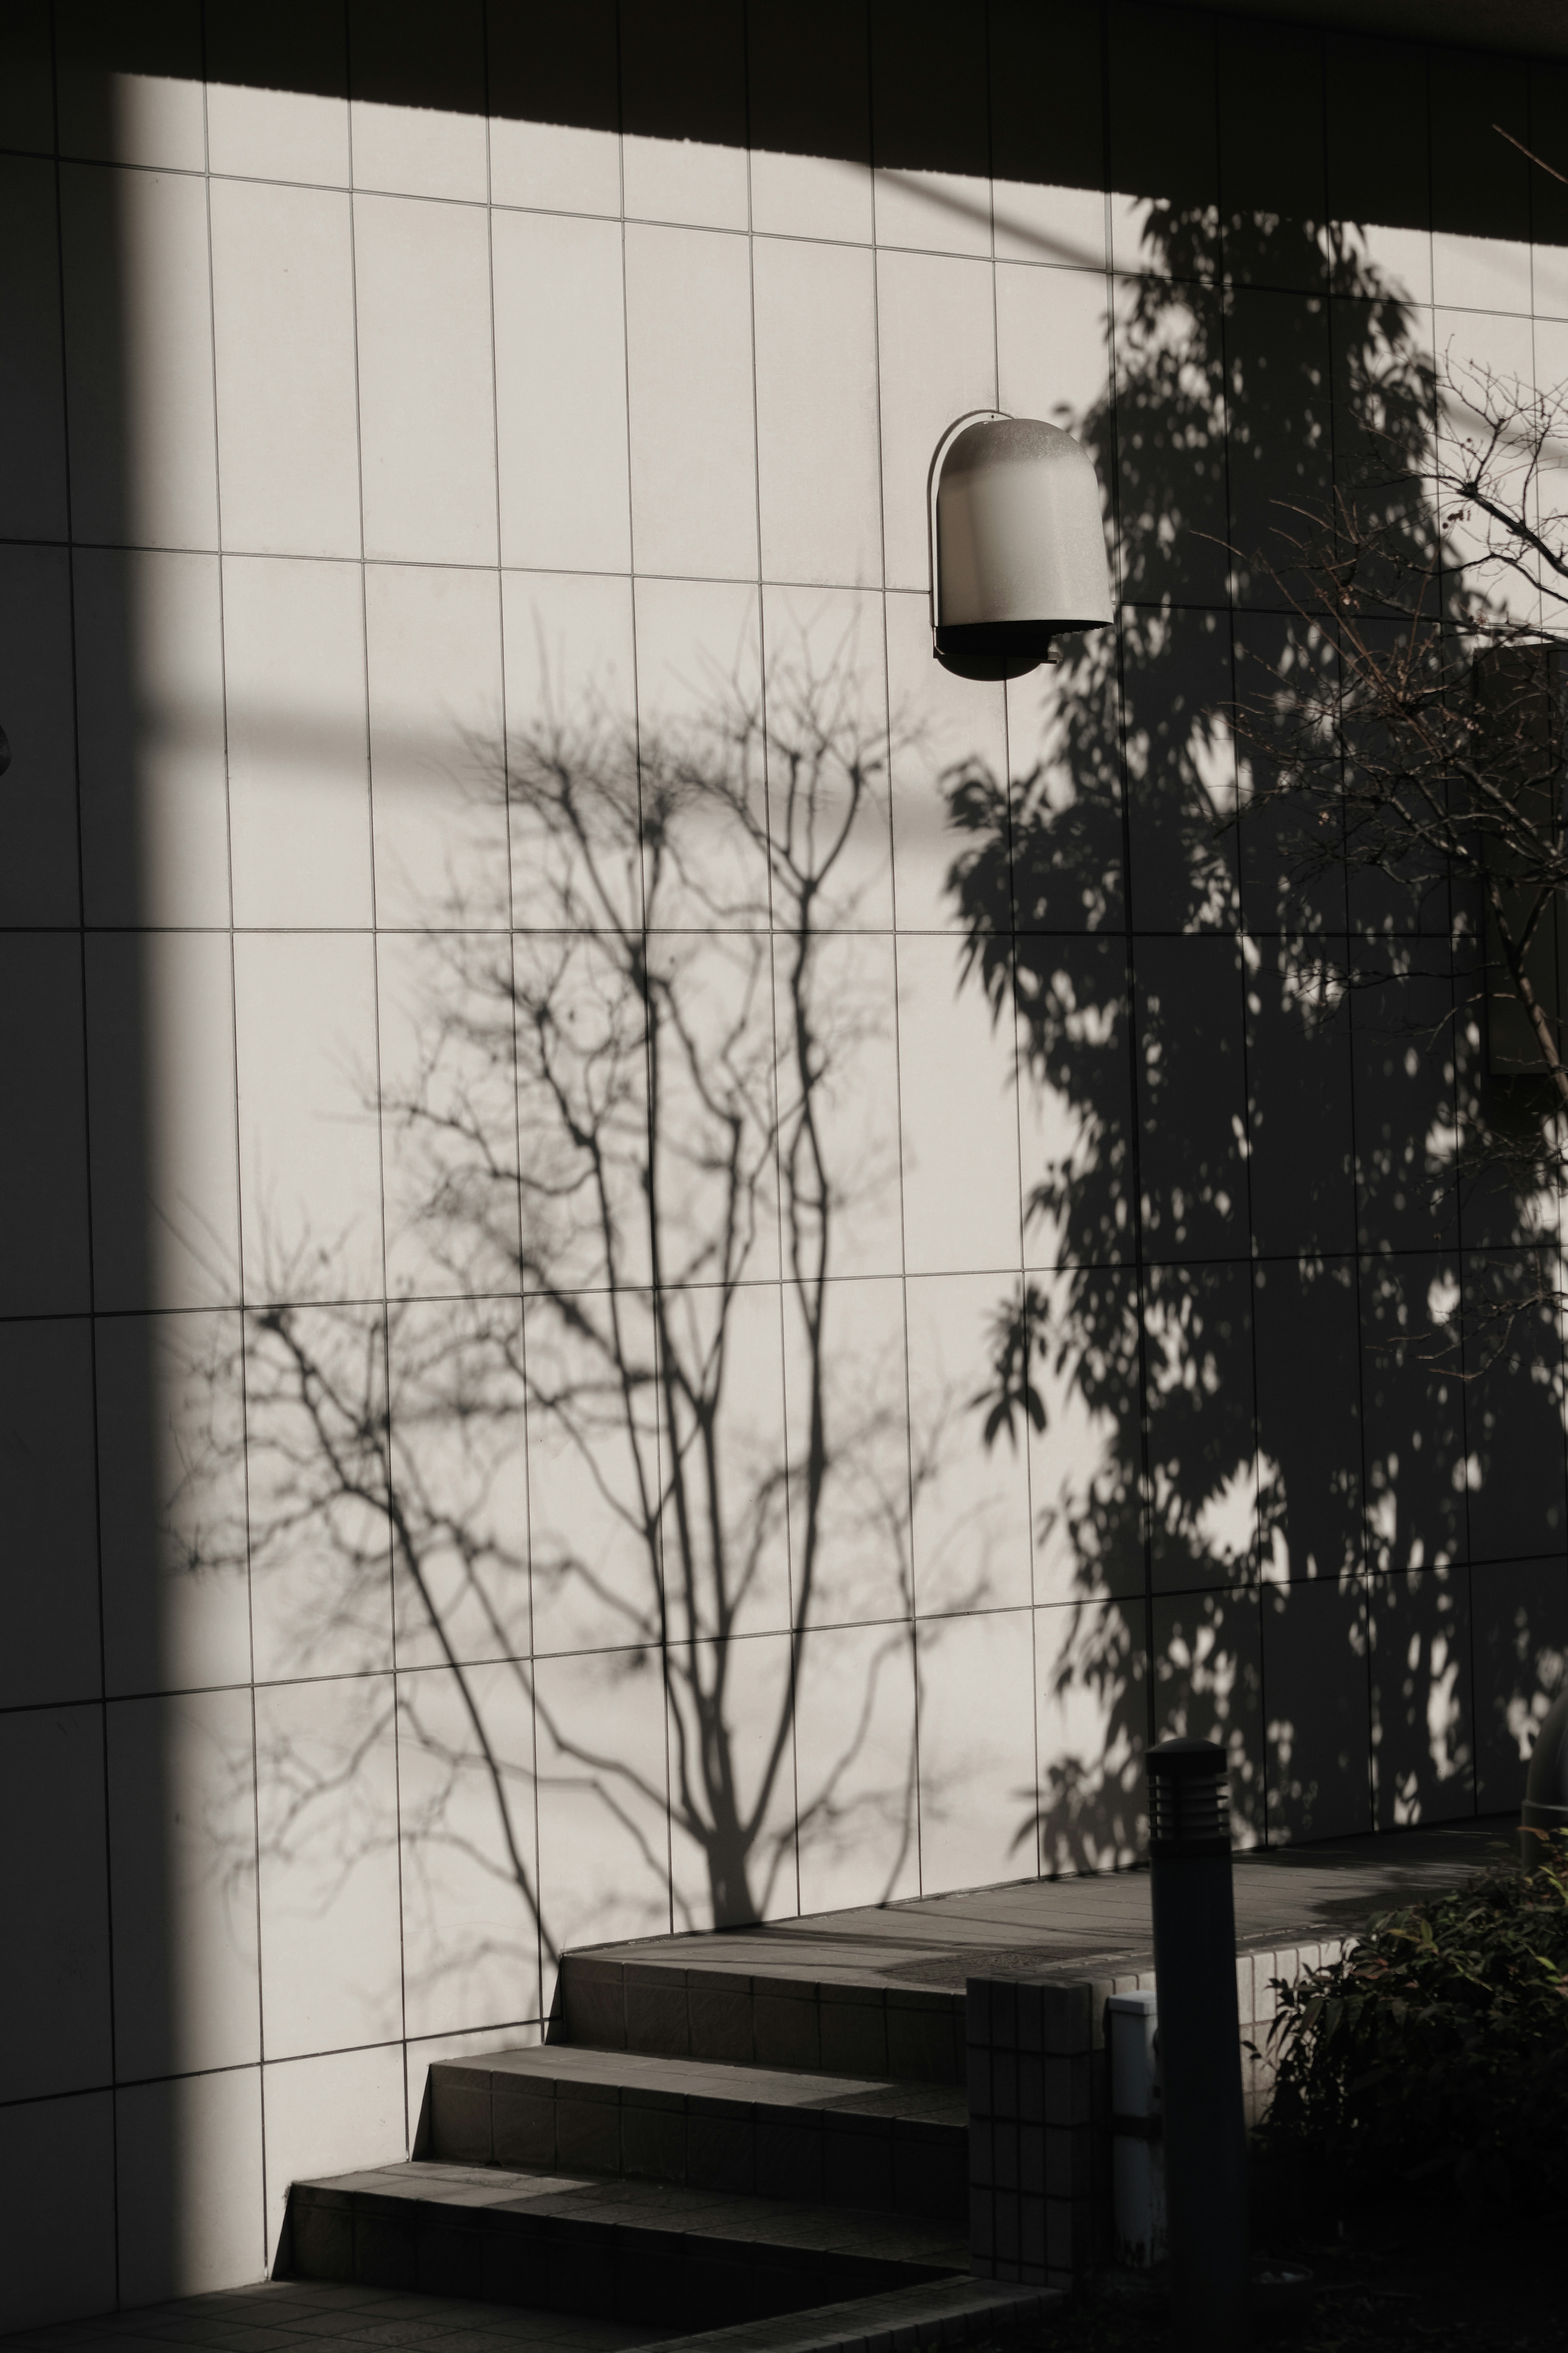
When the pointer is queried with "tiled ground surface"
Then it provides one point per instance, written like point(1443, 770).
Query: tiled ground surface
point(279, 2314)
point(1282, 1895)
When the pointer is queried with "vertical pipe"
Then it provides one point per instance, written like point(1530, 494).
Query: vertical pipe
point(1200, 2043)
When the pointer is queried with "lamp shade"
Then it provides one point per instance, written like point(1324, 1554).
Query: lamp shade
point(1018, 545)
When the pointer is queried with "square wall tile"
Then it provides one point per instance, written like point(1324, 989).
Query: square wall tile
point(937, 357)
point(43, 1180)
point(1091, 1718)
point(1305, 1337)
point(561, 390)
point(1085, 1457)
point(733, 1781)
point(437, 758)
point(1053, 838)
point(323, 2115)
point(32, 389)
point(828, 757)
point(1191, 1097)
point(587, 1215)
point(418, 99)
point(930, 127)
point(299, 787)
point(605, 1800)
point(1173, 521)
point(1421, 1724)
point(28, 113)
point(1280, 382)
point(1317, 1709)
point(1480, 222)
point(842, 1202)
point(327, 1794)
point(1414, 1409)
point(182, 1849)
point(977, 1759)
point(693, 447)
point(724, 1537)
point(817, 456)
point(450, 1113)
point(855, 1767)
point(309, 1160)
point(1075, 1098)
point(847, 1433)
point(683, 92)
point(1048, 164)
point(470, 1866)
point(150, 722)
point(1206, 1654)
point(57, 1976)
point(320, 1546)
point(569, 650)
point(958, 1100)
point(970, 1499)
point(948, 749)
point(1182, 784)
point(139, 357)
point(554, 101)
point(51, 1602)
point(1053, 350)
point(809, 120)
point(1518, 1622)
point(1300, 1173)
point(63, 2263)
point(1514, 1467)
point(456, 1409)
point(702, 758)
point(1162, 137)
point(1271, 160)
point(188, 2168)
point(152, 116)
point(39, 878)
point(276, 92)
point(1403, 1061)
point(593, 1472)
point(1201, 1430)
point(171, 1475)
point(1378, 133)
point(427, 380)
point(160, 1068)
point(283, 312)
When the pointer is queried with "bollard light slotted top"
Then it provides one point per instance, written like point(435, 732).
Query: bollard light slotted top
point(1189, 1797)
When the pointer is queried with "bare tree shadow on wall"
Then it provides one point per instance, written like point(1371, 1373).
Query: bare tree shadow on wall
point(1257, 1202)
point(612, 1440)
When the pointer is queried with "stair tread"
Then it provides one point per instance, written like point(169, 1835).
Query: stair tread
point(929, 2314)
point(659, 2206)
point(633, 2073)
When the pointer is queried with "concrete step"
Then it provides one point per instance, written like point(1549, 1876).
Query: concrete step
point(634, 2250)
point(947, 2312)
point(754, 2131)
point(827, 2024)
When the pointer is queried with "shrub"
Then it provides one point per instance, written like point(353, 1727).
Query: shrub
point(1437, 2047)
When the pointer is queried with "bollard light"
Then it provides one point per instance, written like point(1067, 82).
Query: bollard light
point(1546, 1785)
point(1200, 2042)
point(1017, 544)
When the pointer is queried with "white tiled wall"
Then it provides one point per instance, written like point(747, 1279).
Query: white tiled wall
point(348, 445)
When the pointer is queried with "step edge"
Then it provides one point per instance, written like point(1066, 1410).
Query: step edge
point(862, 2320)
point(491, 2214)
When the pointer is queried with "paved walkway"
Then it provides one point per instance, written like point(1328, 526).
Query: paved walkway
point(277, 2314)
point(1282, 1895)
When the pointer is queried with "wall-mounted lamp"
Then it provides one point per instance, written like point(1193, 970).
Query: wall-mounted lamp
point(1017, 547)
